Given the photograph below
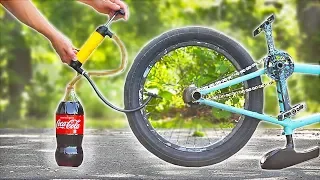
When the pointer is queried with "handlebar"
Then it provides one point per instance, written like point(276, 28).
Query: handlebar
point(93, 42)
point(121, 12)
point(262, 26)
point(96, 38)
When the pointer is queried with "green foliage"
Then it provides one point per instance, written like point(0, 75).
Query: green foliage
point(221, 114)
point(180, 68)
point(40, 96)
point(198, 134)
point(37, 95)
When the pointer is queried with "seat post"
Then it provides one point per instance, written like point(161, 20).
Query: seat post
point(290, 143)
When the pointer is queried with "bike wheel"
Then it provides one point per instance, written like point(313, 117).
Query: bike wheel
point(197, 135)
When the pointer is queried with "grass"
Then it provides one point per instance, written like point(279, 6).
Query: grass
point(198, 134)
point(49, 123)
point(316, 126)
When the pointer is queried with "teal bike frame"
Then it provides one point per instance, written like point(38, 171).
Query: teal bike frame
point(288, 124)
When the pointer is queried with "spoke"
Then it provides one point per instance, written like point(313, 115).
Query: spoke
point(172, 128)
point(179, 131)
point(189, 135)
point(207, 136)
point(170, 77)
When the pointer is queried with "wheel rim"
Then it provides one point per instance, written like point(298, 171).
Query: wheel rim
point(172, 130)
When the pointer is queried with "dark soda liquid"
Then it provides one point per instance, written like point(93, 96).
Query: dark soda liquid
point(69, 134)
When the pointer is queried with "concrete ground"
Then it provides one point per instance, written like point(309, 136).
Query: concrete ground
point(117, 154)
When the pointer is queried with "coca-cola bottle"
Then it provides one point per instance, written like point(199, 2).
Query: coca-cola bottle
point(69, 133)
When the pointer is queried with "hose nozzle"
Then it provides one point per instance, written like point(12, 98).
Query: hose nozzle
point(76, 65)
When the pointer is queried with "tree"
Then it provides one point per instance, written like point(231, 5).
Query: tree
point(308, 13)
point(18, 65)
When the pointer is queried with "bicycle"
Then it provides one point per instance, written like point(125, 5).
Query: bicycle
point(146, 94)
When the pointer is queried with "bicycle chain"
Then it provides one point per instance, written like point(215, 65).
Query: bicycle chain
point(221, 96)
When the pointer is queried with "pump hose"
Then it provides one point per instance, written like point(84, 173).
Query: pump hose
point(151, 95)
point(104, 73)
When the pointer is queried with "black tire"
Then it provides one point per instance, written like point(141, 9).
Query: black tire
point(141, 129)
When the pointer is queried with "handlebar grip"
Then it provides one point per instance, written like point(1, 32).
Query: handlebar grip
point(89, 46)
point(262, 27)
point(121, 12)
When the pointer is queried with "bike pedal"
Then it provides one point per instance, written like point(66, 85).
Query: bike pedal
point(292, 112)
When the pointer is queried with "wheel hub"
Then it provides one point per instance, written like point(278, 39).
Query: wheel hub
point(190, 95)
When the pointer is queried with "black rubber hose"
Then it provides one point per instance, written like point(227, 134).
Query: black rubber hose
point(111, 105)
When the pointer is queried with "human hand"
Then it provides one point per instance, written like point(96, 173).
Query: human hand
point(64, 48)
point(108, 7)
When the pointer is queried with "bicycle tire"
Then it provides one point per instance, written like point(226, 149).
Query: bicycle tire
point(136, 119)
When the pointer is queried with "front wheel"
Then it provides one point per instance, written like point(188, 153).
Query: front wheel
point(195, 135)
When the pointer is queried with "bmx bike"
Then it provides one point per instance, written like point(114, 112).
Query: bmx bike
point(194, 97)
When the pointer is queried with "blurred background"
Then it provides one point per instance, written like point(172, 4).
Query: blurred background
point(33, 79)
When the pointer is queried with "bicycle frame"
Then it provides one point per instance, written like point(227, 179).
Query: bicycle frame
point(288, 124)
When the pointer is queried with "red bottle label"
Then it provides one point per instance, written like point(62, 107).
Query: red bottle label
point(69, 124)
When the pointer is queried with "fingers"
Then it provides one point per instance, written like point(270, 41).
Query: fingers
point(109, 4)
point(68, 55)
point(114, 5)
point(110, 7)
point(75, 50)
point(64, 48)
point(124, 7)
point(71, 53)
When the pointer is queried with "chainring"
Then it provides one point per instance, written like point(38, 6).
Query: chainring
point(279, 65)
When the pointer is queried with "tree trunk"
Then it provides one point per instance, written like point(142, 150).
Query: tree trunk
point(308, 13)
point(18, 67)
